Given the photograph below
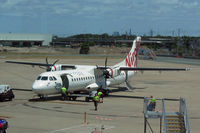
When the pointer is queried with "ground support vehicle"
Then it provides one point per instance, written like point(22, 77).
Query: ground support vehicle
point(3, 125)
point(6, 93)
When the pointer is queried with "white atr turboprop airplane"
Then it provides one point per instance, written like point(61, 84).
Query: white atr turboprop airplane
point(85, 78)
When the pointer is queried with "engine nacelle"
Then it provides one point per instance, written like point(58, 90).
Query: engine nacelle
point(56, 68)
point(113, 72)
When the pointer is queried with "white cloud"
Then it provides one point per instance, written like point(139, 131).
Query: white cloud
point(62, 11)
point(166, 1)
point(189, 5)
point(144, 9)
point(11, 3)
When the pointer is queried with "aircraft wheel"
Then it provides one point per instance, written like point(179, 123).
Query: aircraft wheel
point(74, 98)
point(68, 98)
point(43, 97)
point(87, 99)
point(106, 92)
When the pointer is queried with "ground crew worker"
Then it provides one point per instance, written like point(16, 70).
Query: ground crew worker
point(100, 94)
point(96, 100)
point(153, 103)
point(63, 92)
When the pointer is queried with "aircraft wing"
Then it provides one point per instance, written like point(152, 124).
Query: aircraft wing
point(39, 64)
point(103, 67)
point(152, 69)
point(29, 63)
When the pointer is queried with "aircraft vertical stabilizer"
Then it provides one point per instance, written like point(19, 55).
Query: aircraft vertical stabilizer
point(131, 58)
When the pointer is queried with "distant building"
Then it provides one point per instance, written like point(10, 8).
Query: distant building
point(116, 33)
point(14, 39)
point(130, 33)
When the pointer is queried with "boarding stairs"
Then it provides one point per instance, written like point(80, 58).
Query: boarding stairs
point(175, 123)
point(170, 121)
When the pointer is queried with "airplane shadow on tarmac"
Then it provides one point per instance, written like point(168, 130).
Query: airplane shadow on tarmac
point(17, 89)
point(58, 97)
point(54, 98)
point(119, 89)
point(37, 99)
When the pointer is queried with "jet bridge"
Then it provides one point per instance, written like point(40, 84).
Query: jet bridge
point(172, 119)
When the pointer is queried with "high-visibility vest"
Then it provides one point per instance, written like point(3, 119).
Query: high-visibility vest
point(99, 93)
point(63, 89)
point(153, 100)
point(96, 98)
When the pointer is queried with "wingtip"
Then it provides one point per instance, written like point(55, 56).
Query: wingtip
point(187, 69)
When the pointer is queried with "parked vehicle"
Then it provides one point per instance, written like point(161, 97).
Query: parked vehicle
point(6, 93)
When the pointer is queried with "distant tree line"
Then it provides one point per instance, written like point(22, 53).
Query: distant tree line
point(180, 46)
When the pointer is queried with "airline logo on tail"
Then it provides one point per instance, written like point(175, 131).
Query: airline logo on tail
point(131, 59)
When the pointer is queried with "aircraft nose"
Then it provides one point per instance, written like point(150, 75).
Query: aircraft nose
point(37, 87)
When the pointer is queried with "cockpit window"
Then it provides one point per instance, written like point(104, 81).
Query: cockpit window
point(54, 78)
point(39, 78)
point(44, 78)
point(50, 78)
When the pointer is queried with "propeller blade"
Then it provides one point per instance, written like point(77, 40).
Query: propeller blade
point(42, 67)
point(48, 67)
point(55, 62)
point(106, 62)
point(47, 60)
point(105, 72)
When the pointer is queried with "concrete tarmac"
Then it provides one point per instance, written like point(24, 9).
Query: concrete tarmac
point(120, 112)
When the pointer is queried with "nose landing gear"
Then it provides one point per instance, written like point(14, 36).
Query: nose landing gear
point(42, 96)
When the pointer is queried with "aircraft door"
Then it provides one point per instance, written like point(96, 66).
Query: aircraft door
point(65, 80)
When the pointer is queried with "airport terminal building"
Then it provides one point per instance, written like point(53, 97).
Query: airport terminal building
point(27, 40)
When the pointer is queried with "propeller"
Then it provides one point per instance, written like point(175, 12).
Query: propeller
point(49, 66)
point(106, 72)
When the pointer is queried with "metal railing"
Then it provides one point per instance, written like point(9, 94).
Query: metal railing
point(164, 116)
point(145, 106)
point(183, 110)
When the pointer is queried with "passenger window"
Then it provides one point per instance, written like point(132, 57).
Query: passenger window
point(39, 78)
point(54, 78)
point(50, 78)
point(44, 78)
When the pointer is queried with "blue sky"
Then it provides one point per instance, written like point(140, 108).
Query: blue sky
point(68, 17)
